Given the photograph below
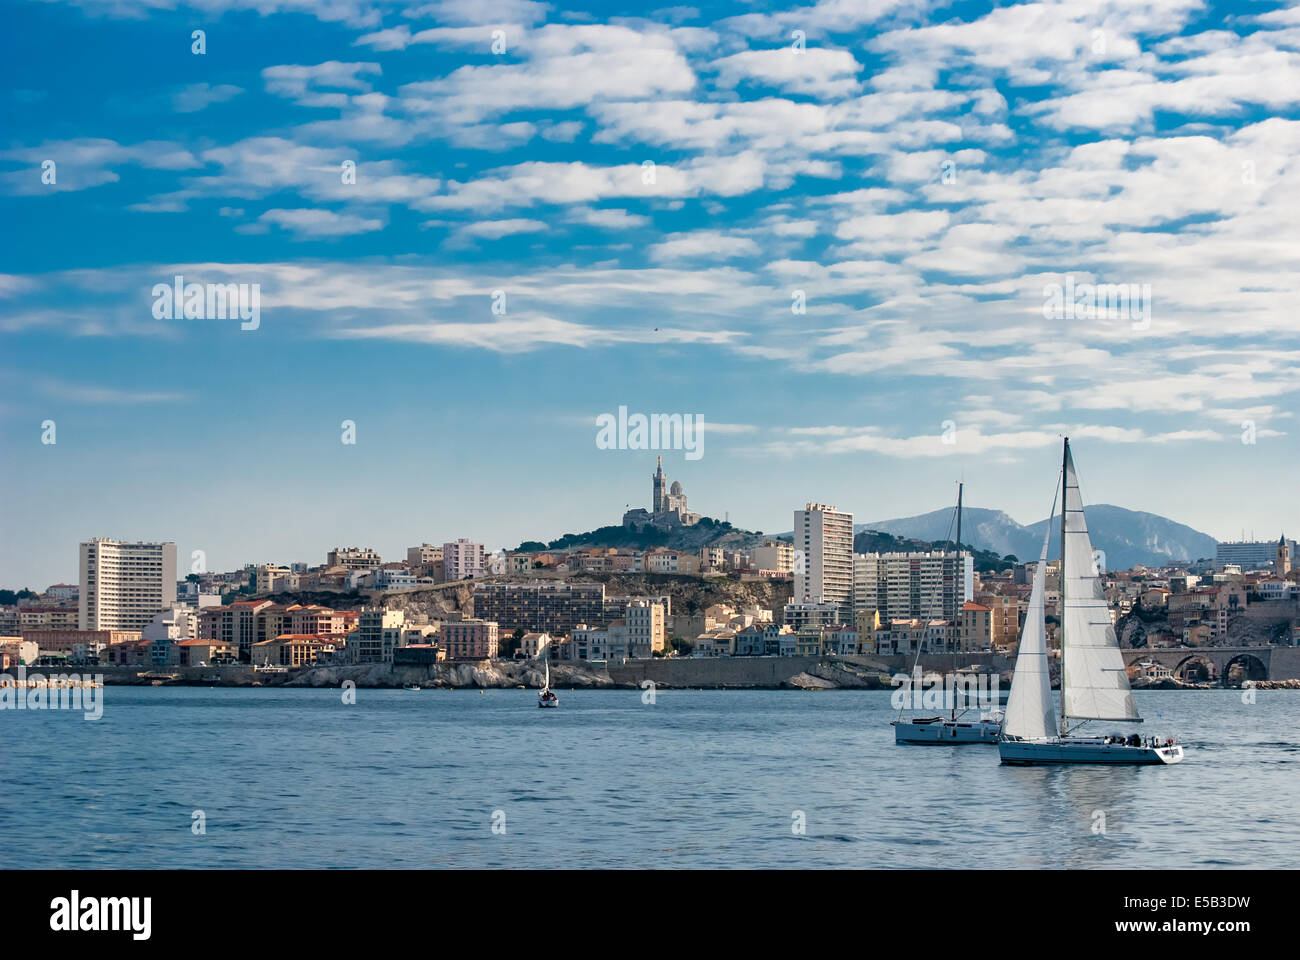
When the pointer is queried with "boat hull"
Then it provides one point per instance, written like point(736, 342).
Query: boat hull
point(1059, 750)
point(946, 732)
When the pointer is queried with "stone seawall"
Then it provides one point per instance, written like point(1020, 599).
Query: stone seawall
point(721, 673)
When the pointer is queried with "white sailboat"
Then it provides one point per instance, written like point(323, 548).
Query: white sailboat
point(1094, 683)
point(951, 730)
point(546, 697)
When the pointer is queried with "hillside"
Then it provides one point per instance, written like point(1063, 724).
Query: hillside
point(708, 532)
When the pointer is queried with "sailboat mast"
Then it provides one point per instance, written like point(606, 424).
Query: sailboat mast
point(1065, 504)
point(956, 602)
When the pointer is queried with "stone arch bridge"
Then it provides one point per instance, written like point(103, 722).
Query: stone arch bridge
point(1222, 664)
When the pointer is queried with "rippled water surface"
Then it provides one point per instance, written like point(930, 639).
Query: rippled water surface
point(296, 778)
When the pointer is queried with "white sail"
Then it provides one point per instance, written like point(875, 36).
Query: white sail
point(1029, 712)
point(1094, 682)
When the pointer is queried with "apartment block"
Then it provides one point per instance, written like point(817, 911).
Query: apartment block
point(914, 586)
point(353, 558)
point(234, 624)
point(463, 559)
point(123, 585)
point(645, 628)
point(378, 633)
point(540, 607)
point(777, 556)
point(470, 639)
point(823, 558)
point(423, 554)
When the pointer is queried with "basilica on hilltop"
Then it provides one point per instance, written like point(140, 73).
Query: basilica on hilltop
point(667, 506)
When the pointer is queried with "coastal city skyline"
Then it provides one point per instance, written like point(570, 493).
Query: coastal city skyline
point(63, 569)
point(841, 236)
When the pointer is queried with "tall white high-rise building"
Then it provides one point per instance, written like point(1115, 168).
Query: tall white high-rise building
point(823, 559)
point(125, 585)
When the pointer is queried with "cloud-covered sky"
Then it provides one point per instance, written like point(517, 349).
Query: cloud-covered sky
point(475, 226)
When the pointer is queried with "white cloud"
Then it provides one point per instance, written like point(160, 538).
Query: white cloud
point(198, 96)
point(320, 223)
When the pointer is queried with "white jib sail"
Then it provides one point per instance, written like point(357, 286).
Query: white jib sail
point(1030, 713)
point(1095, 683)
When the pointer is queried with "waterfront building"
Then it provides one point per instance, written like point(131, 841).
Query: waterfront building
point(815, 615)
point(910, 636)
point(65, 641)
point(645, 628)
point(202, 653)
point(718, 642)
point(840, 640)
point(178, 623)
point(378, 633)
point(291, 650)
point(470, 639)
point(823, 562)
point(534, 645)
point(123, 584)
point(17, 652)
point(589, 643)
point(234, 624)
point(808, 642)
point(749, 641)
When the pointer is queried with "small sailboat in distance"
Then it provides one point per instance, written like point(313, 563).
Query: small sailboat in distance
point(1094, 683)
point(546, 697)
point(952, 730)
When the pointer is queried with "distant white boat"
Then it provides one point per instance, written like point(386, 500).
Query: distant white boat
point(412, 686)
point(546, 697)
point(1094, 682)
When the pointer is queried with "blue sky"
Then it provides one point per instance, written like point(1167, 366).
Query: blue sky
point(921, 172)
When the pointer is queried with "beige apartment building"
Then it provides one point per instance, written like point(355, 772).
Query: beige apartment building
point(777, 556)
point(124, 585)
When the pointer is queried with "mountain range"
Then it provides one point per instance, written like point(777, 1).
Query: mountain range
point(1127, 537)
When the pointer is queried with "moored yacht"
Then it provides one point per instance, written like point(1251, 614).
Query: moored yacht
point(1094, 682)
point(952, 730)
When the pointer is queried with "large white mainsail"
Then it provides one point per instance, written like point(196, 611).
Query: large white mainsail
point(1030, 713)
point(1094, 683)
